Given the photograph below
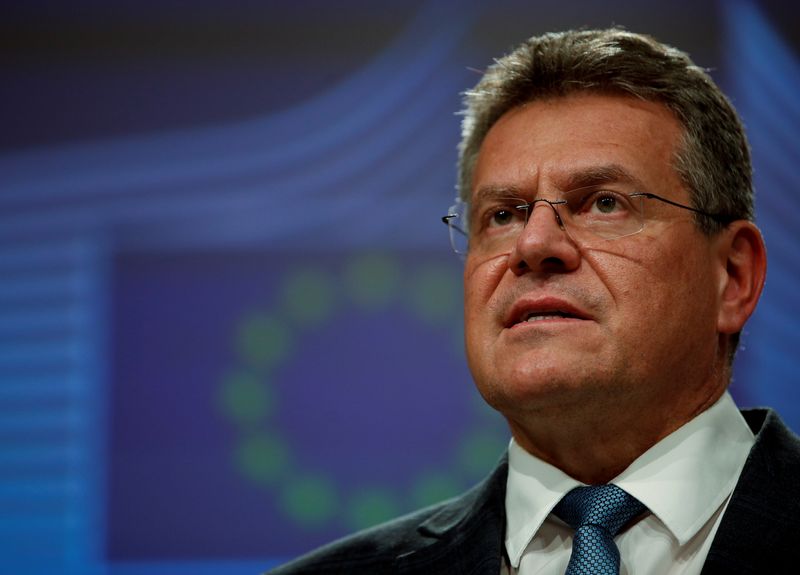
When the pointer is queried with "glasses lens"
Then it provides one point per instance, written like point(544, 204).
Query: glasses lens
point(457, 226)
point(602, 212)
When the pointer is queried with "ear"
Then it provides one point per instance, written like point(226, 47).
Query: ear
point(744, 258)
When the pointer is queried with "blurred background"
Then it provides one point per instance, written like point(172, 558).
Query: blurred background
point(230, 322)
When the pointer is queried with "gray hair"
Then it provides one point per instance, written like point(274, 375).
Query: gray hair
point(712, 159)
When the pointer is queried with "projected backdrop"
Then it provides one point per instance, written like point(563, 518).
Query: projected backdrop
point(230, 323)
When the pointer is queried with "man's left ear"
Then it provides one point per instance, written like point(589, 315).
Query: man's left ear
point(743, 255)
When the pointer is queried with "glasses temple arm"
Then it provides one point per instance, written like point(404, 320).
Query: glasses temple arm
point(719, 217)
point(447, 220)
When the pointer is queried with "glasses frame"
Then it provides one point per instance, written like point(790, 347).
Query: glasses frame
point(460, 208)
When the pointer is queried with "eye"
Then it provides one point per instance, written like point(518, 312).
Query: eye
point(499, 215)
point(502, 217)
point(605, 204)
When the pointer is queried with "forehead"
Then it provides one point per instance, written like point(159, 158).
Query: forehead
point(549, 143)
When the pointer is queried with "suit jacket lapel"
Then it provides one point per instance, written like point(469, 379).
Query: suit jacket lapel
point(759, 531)
point(466, 536)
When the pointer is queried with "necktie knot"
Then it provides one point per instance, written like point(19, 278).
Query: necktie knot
point(606, 506)
point(596, 513)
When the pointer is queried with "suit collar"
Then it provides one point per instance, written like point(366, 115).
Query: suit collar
point(466, 534)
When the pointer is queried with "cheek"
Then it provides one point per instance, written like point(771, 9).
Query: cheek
point(682, 279)
point(481, 284)
point(481, 280)
point(669, 294)
point(643, 281)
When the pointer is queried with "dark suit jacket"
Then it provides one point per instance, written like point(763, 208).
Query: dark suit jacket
point(759, 533)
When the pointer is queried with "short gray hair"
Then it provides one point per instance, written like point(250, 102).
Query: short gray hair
point(713, 158)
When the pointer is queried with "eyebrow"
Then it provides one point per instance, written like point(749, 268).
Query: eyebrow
point(574, 180)
point(491, 192)
point(598, 175)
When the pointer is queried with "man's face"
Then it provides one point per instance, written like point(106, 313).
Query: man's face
point(628, 323)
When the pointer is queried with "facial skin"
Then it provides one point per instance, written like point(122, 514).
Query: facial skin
point(645, 348)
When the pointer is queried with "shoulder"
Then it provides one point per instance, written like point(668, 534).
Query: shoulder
point(770, 479)
point(371, 551)
point(761, 525)
point(776, 452)
point(443, 534)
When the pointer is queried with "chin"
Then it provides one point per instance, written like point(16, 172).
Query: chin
point(537, 384)
point(532, 393)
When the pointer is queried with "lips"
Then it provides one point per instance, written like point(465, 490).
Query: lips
point(537, 316)
point(542, 309)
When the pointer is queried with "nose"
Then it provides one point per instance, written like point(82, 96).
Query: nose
point(544, 245)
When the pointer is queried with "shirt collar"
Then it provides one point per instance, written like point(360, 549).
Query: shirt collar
point(534, 487)
point(683, 479)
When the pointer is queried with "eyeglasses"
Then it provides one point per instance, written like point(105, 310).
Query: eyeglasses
point(493, 224)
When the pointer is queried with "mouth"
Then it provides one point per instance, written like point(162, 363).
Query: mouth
point(545, 315)
point(543, 310)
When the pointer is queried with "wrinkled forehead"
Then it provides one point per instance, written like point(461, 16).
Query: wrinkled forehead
point(674, 137)
point(578, 141)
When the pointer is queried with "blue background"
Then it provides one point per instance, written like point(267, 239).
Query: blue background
point(229, 320)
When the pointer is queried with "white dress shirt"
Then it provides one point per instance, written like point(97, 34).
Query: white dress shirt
point(685, 480)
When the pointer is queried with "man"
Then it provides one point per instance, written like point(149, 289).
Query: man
point(611, 262)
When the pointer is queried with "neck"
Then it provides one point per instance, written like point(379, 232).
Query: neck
point(596, 445)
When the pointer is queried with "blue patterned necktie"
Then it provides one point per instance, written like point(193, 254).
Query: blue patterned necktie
point(596, 513)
